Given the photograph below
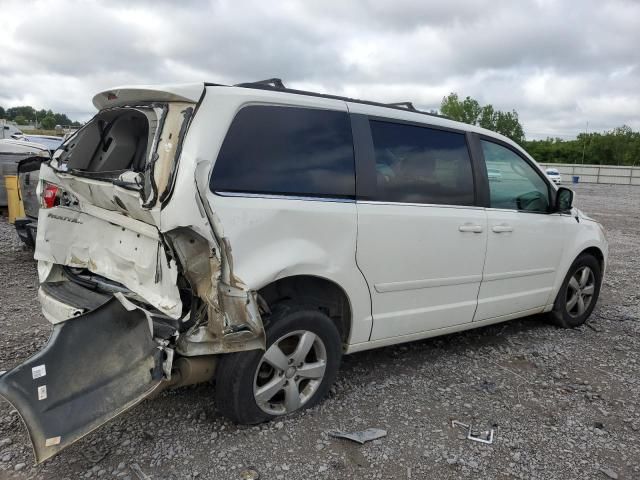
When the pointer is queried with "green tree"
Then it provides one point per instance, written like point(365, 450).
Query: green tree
point(620, 146)
point(487, 117)
point(467, 110)
point(508, 124)
point(28, 114)
point(48, 122)
point(21, 120)
point(62, 119)
point(25, 111)
point(470, 111)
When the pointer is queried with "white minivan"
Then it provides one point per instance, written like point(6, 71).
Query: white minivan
point(253, 234)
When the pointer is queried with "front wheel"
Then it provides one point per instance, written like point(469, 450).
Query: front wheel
point(579, 292)
point(295, 372)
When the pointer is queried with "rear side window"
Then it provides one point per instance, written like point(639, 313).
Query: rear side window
point(421, 165)
point(288, 151)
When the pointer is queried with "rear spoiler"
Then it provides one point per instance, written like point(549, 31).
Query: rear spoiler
point(128, 95)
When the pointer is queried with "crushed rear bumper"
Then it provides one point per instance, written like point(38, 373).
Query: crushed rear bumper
point(93, 368)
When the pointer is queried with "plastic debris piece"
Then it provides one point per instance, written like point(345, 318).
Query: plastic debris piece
point(482, 437)
point(138, 471)
point(249, 474)
point(360, 437)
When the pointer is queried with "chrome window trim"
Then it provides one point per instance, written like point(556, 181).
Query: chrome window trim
point(431, 205)
point(284, 196)
point(275, 196)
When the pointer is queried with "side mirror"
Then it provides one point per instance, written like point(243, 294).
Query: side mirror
point(564, 200)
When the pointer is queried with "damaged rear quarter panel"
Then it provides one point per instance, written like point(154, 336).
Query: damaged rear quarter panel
point(269, 239)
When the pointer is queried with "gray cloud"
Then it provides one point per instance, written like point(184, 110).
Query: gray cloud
point(558, 63)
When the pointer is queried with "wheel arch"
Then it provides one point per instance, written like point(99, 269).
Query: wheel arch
point(317, 291)
point(595, 252)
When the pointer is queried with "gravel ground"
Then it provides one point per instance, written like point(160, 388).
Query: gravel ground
point(564, 403)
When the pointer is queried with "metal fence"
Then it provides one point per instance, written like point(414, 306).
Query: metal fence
point(597, 173)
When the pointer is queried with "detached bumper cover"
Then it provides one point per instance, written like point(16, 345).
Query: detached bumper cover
point(93, 368)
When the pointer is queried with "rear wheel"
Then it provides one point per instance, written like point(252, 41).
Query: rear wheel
point(579, 292)
point(295, 372)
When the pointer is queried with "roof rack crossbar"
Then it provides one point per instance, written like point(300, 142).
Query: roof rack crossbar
point(407, 105)
point(269, 82)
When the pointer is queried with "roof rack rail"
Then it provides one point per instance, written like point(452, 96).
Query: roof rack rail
point(278, 85)
point(269, 82)
point(407, 105)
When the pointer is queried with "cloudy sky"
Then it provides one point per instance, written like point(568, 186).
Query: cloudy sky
point(559, 64)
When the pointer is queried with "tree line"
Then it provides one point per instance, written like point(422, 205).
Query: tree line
point(45, 119)
point(620, 146)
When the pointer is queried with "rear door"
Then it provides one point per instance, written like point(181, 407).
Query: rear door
point(525, 241)
point(421, 237)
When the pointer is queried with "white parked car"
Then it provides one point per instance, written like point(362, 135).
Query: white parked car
point(257, 234)
point(494, 174)
point(554, 175)
point(8, 131)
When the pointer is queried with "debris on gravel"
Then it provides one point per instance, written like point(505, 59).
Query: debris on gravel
point(565, 404)
point(360, 437)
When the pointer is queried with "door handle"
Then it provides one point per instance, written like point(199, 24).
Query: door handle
point(502, 228)
point(468, 227)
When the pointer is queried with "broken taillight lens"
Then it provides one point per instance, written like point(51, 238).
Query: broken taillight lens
point(50, 195)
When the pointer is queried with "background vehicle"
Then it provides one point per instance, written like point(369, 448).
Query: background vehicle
point(494, 174)
point(28, 175)
point(554, 175)
point(51, 142)
point(7, 131)
point(11, 153)
point(170, 247)
point(22, 157)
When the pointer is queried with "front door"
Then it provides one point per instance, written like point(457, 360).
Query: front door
point(525, 241)
point(421, 239)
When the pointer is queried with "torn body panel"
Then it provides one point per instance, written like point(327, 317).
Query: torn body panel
point(229, 320)
point(134, 257)
point(118, 230)
point(106, 234)
point(94, 367)
point(233, 316)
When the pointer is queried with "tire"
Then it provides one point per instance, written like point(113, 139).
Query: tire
point(567, 311)
point(245, 380)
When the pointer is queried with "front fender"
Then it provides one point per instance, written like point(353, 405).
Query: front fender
point(586, 234)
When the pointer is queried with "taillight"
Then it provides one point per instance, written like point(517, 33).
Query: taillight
point(50, 195)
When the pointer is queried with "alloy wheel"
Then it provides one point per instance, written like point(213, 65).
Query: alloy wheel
point(290, 372)
point(580, 291)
